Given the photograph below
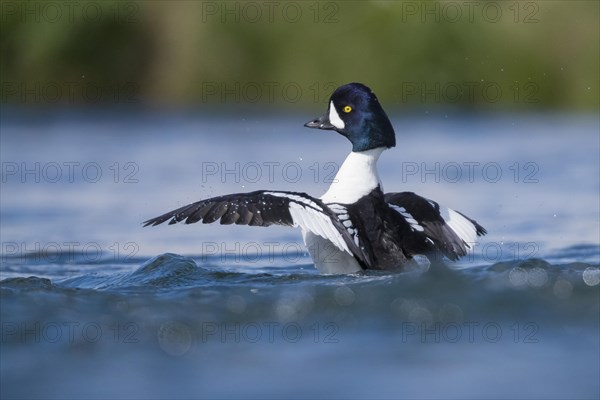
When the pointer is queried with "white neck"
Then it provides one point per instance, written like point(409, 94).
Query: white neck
point(357, 177)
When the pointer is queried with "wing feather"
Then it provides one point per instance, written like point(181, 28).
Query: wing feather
point(264, 208)
point(447, 230)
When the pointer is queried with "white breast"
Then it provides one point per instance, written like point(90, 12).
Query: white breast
point(356, 178)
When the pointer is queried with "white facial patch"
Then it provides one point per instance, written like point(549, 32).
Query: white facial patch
point(334, 117)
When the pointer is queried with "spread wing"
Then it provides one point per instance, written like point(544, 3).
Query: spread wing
point(449, 231)
point(264, 208)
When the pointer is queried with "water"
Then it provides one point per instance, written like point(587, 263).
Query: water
point(94, 305)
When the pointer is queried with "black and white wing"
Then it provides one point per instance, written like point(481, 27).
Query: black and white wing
point(449, 231)
point(264, 208)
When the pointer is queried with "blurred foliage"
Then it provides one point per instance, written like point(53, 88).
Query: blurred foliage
point(474, 55)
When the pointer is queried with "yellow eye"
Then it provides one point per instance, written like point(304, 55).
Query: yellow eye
point(347, 109)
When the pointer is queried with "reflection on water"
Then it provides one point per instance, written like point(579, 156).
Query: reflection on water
point(94, 305)
point(188, 329)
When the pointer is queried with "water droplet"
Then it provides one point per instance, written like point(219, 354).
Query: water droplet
point(174, 338)
point(294, 306)
point(537, 277)
point(518, 277)
point(562, 289)
point(421, 315)
point(591, 276)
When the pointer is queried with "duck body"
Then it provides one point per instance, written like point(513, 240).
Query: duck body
point(354, 226)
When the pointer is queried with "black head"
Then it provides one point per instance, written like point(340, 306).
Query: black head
point(355, 112)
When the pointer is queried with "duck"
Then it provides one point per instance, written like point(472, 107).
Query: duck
point(355, 226)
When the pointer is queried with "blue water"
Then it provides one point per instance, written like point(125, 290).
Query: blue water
point(95, 306)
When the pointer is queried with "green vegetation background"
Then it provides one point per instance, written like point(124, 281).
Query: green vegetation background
point(193, 52)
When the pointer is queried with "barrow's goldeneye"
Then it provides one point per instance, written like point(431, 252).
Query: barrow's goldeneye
point(354, 225)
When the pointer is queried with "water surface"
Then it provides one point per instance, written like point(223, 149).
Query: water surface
point(93, 305)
